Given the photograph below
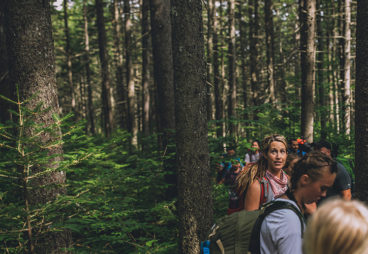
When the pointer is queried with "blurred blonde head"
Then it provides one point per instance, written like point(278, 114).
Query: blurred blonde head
point(337, 227)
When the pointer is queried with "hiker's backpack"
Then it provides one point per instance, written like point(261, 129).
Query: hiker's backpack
point(236, 201)
point(239, 232)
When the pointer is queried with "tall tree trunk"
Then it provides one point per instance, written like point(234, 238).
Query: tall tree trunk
point(254, 56)
point(307, 47)
point(361, 102)
point(163, 67)
point(243, 46)
point(6, 88)
point(209, 45)
point(68, 53)
point(194, 184)
point(224, 87)
point(118, 58)
point(232, 69)
point(268, 9)
point(146, 77)
point(216, 72)
point(107, 115)
point(164, 81)
point(281, 89)
point(297, 71)
point(347, 93)
point(340, 68)
point(90, 111)
point(320, 73)
point(332, 38)
point(132, 109)
point(32, 68)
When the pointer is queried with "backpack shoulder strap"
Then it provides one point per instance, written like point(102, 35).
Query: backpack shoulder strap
point(255, 242)
point(264, 190)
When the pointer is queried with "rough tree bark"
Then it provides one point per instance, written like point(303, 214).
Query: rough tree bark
point(32, 68)
point(307, 48)
point(194, 184)
point(361, 102)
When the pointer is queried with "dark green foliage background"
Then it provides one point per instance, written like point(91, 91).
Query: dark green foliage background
point(115, 198)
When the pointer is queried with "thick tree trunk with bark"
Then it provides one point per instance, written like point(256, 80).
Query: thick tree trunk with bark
point(361, 102)
point(307, 47)
point(107, 115)
point(194, 184)
point(32, 69)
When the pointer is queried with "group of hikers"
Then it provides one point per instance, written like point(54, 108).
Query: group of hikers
point(312, 187)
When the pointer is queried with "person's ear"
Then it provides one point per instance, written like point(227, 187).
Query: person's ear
point(304, 180)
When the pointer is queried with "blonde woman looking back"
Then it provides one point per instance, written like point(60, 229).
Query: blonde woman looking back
point(269, 168)
point(338, 227)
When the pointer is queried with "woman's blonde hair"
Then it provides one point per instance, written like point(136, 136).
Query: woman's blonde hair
point(337, 227)
point(258, 169)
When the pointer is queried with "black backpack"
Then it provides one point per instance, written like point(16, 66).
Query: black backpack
point(239, 232)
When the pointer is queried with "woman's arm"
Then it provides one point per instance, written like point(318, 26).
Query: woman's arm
point(253, 196)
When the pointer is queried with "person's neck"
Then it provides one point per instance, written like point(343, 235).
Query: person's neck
point(276, 173)
point(294, 196)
